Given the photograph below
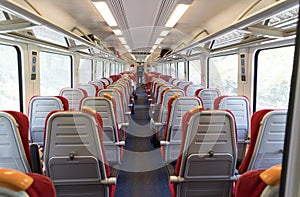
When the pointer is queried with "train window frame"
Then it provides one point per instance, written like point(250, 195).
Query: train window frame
point(289, 181)
point(209, 71)
point(19, 76)
point(256, 70)
point(71, 69)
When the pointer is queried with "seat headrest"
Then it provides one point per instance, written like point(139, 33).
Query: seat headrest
point(271, 176)
point(196, 109)
point(175, 96)
point(14, 180)
point(88, 110)
point(108, 96)
point(166, 88)
point(118, 89)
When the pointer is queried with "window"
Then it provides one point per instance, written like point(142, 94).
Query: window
point(274, 71)
point(159, 68)
point(107, 69)
point(117, 68)
point(173, 70)
point(181, 71)
point(51, 68)
point(121, 68)
point(10, 97)
point(85, 71)
point(165, 69)
point(99, 69)
point(195, 71)
point(223, 73)
point(113, 69)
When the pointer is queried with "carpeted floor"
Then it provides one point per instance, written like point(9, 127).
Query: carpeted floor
point(142, 172)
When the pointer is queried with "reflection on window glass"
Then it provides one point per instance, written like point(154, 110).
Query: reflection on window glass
point(274, 71)
point(180, 71)
point(85, 71)
point(51, 68)
point(195, 71)
point(173, 70)
point(223, 73)
point(99, 69)
point(9, 79)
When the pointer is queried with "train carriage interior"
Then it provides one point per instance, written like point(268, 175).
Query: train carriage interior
point(168, 98)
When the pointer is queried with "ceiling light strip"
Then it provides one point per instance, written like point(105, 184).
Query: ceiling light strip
point(177, 14)
point(105, 12)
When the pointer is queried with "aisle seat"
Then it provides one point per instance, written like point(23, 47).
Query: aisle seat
point(158, 121)
point(178, 105)
point(113, 143)
point(208, 152)
point(122, 117)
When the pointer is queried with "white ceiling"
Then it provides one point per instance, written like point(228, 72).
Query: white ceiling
point(141, 21)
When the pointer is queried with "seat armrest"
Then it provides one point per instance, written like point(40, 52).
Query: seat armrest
point(155, 125)
point(124, 125)
point(109, 181)
point(35, 158)
point(128, 113)
point(152, 105)
point(120, 143)
point(163, 143)
point(176, 179)
point(158, 125)
point(130, 105)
